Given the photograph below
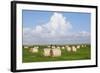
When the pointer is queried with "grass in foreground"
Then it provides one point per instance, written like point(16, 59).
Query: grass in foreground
point(82, 54)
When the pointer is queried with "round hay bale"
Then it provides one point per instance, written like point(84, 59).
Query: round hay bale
point(53, 47)
point(68, 49)
point(58, 47)
point(82, 45)
point(34, 50)
point(66, 46)
point(46, 51)
point(78, 46)
point(49, 46)
point(74, 49)
point(25, 47)
point(56, 52)
point(63, 47)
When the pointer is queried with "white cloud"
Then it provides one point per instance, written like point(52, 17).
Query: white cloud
point(57, 26)
point(54, 31)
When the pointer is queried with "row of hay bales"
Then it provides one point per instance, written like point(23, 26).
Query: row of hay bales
point(55, 51)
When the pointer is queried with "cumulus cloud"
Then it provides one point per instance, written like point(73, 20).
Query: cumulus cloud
point(58, 25)
point(54, 31)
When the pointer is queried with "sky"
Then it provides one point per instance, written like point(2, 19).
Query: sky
point(46, 27)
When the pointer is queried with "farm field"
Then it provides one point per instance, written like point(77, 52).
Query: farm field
point(82, 53)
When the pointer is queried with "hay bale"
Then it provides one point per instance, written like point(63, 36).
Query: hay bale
point(85, 45)
point(66, 46)
point(25, 46)
point(82, 45)
point(46, 51)
point(68, 49)
point(58, 47)
point(34, 50)
point(63, 47)
point(53, 47)
point(56, 52)
point(52, 52)
point(49, 46)
point(78, 46)
point(74, 49)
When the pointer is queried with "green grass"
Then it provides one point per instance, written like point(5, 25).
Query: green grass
point(82, 54)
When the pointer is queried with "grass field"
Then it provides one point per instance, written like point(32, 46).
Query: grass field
point(82, 54)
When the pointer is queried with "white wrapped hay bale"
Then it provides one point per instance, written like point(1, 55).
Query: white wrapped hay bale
point(52, 52)
point(78, 46)
point(53, 47)
point(58, 47)
point(49, 46)
point(56, 52)
point(25, 46)
point(68, 49)
point(82, 45)
point(74, 49)
point(63, 47)
point(46, 51)
point(66, 46)
point(34, 50)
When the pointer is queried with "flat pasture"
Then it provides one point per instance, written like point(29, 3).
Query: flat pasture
point(82, 53)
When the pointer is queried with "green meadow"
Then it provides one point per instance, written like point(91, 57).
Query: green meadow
point(83, 53)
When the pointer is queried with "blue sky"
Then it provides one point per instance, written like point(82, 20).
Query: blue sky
point(76, 23)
